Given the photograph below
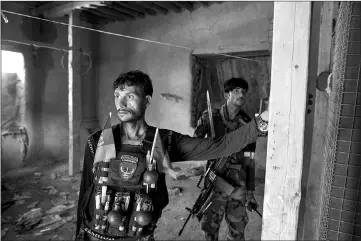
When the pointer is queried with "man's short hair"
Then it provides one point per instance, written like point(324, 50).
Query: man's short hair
point(135, 78)
point(234, 83)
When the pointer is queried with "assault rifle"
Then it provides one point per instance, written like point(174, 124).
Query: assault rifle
point(216, 185)
point(214, 188)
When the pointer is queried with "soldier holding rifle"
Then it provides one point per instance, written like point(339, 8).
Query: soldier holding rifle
point(238, 170)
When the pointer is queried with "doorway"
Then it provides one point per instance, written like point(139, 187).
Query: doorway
point(14, 137)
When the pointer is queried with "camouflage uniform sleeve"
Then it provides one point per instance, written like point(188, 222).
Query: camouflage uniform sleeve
point(202, 126)
point(186, 148)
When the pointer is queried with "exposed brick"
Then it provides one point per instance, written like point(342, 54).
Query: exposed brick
point(350, 85)
point(344, 134)
point(346, 122)
point(354, 48)
point(352, 183)
point(337, 192)
point(335, 214)
point(358, 110)
point(336, 203)
point(350, 194)
point(347, 216)
point(356, 135)
point(333, 224)
point(356, 8)
point(351, 72)
point(343, 146)
point(349, 205)
point(356, 238)
point(358, 100)
point(332, 235)
point(345, 237)
point(347, 110)
point(355, 159)
point(356, 147)
point(349, 98)
point(353, 60)
point(358, 218)
point(342, 157)
point(340, 170)
point(357, 124)
point(355, 21)
point(357, 230)
point(354, 171)
point(358, 209)
point(339, 181)
point(346, 227)
point(355, 35)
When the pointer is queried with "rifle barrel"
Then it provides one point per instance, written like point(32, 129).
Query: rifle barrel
point(185, 223)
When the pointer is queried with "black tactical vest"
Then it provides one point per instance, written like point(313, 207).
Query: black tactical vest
point(126, 194)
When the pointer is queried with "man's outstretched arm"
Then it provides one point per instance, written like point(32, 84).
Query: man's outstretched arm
point(185, 148)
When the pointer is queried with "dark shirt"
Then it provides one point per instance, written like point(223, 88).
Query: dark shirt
point(180, 148)
point(222, 125)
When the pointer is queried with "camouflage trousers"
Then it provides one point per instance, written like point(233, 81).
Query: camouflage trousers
point(235, 215)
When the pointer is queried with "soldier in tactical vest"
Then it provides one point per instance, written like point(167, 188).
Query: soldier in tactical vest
point(131, 211)
point(240, 171)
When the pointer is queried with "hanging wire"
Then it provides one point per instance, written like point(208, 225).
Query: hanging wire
point(126, 36)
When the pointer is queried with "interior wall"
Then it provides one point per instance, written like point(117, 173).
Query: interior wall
point(226, 27)
point(46, 115)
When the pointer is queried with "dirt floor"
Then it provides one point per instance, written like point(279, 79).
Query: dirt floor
point(52, 195)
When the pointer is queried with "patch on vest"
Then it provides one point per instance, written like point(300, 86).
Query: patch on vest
point(127, 167)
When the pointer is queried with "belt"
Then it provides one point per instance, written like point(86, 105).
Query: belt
point(97, 236)
point(94, 236)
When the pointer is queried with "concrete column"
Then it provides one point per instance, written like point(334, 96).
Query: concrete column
point(74, 94)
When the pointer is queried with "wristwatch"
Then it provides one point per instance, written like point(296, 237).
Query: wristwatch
point(262, 125)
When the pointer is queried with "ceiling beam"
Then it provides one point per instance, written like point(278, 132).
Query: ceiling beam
point(138, 8)
point(187, 5)
point(205, 4)
point(169, 5)
point(126, 10)
point(100, 14)
point(115, 13)
point(50, 10)
point(94, 18)
point(155, 7)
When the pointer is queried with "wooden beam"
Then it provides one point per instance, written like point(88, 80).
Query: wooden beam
point(169, 5)
point(186, 5)
point(102, 15)
point(95, 19)
point(289, 79)
point(115, 14)
point(155, 7)
point(74, 95)
point(137, 8)
point(127, 11)
point(205, 4)
point(64, 9)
